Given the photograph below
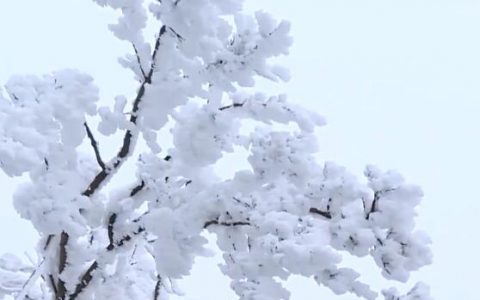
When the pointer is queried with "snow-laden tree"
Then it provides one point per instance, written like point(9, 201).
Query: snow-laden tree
point(284, 213)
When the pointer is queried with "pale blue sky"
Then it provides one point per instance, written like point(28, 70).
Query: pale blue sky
point(398, 82)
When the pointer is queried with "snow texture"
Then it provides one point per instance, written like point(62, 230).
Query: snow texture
point(285, 213)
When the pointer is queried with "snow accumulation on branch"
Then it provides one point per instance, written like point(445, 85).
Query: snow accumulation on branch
point(129, 140)
point(282, 213)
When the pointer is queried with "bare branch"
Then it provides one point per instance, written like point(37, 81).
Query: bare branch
point(94, 144)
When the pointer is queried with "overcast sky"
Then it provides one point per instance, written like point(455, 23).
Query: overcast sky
point(398, 82)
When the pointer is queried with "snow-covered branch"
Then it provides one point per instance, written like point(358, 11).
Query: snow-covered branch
point(282, 212)
point(129, 138)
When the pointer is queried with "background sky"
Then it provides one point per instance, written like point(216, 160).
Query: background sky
point(398, 82)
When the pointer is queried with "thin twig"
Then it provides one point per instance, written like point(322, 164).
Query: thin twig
point(137, 189)
point(52, 283)
point(233, 105)
point(139, 61)
point(128, 237)
point(228, 224)
point(94, 144)
point(31, 280)
point(158, 285)
point(325, 214)
point(47, 242)
point(376, 197)
point(111, 221)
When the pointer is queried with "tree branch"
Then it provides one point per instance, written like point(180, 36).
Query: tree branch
point(137, 189)
point(313, 210)
point(111, 222)
point(325, 214)
point(62, 262)
point(88, 276)
point(128, 139)
point(31, 280)
point(113, 217)
point(128, 237)
point(228, 224)
point(84, 281)
point(233, 105)
point(47, 242)
point(94, 144)
point(52, 283)
point(376, 197)
point(158, 285)
point(126, 149)
point(139, 61)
